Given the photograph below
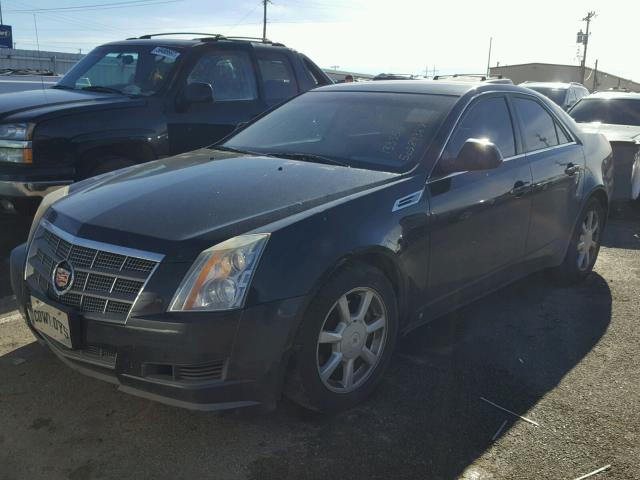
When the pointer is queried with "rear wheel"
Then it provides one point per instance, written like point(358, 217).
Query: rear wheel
point(345, 341)
point(585, 244)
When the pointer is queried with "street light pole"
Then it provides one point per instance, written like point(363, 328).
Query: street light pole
point(489, 59)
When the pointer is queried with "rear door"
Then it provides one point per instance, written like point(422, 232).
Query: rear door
point(557, 164)
point(231, 74)
point(479, 219)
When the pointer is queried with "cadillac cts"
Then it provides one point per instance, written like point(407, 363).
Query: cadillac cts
point(291, 256)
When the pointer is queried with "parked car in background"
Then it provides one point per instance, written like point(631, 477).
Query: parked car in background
point(616, 115)
point(397, 76)
point(564, 94)
point(474, 77)
point(291, 256)
point(137, 100)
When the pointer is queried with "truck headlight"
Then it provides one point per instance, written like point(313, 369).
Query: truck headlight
point(15, 143)
point(220, 277)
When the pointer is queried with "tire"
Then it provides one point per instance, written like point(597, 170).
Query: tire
point(364, 354)
point(108, 164)
point(577, 264)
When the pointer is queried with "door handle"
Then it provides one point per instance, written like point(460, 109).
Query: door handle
point(519, 188)
point(571, 169)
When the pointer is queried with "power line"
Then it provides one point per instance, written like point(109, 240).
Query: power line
point(98, 6)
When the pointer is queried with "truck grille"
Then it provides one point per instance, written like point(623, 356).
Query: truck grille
point(107, 279)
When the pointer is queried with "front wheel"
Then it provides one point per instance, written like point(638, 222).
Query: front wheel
point(345, 341)
point(585, 244)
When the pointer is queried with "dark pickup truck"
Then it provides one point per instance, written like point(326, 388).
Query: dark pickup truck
point(138, 100)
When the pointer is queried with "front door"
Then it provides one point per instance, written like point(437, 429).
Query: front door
point(479, 219)
point(231, 74)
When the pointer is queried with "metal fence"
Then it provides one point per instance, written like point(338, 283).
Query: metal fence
point(55, 62)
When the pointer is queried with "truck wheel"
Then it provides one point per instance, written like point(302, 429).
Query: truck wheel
point(109, 165)
point(345, 341)
point(585, 244)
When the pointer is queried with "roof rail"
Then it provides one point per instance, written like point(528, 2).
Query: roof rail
point(208, 37)
point(151, 35)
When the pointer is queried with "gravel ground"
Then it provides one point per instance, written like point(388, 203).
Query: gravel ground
point(565, 358)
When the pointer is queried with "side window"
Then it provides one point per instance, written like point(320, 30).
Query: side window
point(278, 80)
point(229, 74)
point(539, 127)
point(314, 72)
point(488, 119)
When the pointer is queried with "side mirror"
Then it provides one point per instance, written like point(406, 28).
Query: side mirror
point(198, 93)
point(478, 154)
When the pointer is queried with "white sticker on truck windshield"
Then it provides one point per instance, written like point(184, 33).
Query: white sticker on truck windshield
point(165, 52)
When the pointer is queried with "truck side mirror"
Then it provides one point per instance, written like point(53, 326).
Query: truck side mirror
point(198, 92)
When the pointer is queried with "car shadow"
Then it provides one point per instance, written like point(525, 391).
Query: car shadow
point(627, 233)
point(426, 420)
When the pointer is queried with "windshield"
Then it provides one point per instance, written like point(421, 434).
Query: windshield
point(379, 131)
point(131, 70)
point(555, 94)
point(618, 111)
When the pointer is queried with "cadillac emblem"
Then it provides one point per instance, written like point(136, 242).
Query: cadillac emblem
point(62, 277)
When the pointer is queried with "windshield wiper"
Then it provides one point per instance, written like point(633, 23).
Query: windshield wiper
point(306, 157)
point(100, 88)
point(62, 87)
point(234, 150)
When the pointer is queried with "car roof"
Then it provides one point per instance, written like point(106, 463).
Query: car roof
point(427, 87)
point(557, 85)
point(614, 94)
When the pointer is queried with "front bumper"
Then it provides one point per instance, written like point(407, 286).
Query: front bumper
point(195, 360)
point(24, 186)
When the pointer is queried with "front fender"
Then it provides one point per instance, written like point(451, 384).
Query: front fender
point(363, 227)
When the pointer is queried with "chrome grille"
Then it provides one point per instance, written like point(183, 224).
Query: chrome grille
point(107, 279)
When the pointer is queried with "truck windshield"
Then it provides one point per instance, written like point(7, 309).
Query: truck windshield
point(130, 70)
point(618, 111)
point(378, 131)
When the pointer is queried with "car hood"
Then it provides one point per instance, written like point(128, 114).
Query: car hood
point(26, 105)
point(613, 133)
point(182, 205)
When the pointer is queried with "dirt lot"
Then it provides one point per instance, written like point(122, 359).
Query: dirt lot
point(567, 358)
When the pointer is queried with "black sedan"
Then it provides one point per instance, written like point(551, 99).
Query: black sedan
point(291, 256)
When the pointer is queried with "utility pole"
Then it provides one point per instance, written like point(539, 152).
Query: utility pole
point(264, 21)
point(1, 22)
point(489, 59)
point(585, 41)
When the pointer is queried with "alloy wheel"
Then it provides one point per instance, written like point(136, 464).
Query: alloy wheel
point(589, 240)
point(352, 340)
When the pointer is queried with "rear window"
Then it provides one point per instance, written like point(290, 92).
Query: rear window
point(555, 94)
point(617, 111)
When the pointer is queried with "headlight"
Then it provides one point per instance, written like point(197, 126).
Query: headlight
point(17, 131)
point(15, 143)
point(221, 275)
point(48, 200)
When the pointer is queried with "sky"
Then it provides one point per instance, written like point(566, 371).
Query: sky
point(368, 36)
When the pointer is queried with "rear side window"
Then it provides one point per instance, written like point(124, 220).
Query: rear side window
point(487, 119)
point(278, 80)
point(314, 72)
point(229, 74)
point(539, 128)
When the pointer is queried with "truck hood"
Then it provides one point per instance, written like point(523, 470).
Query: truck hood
point(29, 104)
point(613, 133)
point(182, 205)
